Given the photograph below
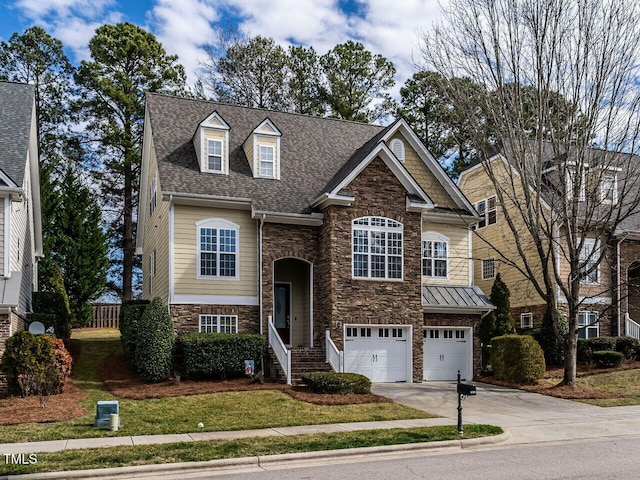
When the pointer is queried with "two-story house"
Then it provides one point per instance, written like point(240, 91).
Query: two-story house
point(20, 221)
point(609, 295)
point(330, 237)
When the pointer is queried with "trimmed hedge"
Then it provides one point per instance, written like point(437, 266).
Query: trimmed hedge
point(628, 346)
point(584, 353)
point(337, 383)
point(517, 358)
point(218, 354)
point(608, 358)
point(154, 345)
point(35, 364)
point(599, 344)
point(130, 314)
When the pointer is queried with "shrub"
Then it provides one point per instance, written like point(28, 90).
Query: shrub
point(517, 358)
point(552, 346)
point(35, 364)
point(628, 346)
point(218, 354)
point(130, 314)
point(337, 383)
point(82, 314)
point(50, 309)
point(584, 354)
point(154, 345)
point(602, 343)
point(608, 358)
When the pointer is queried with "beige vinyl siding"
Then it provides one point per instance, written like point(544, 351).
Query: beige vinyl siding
point(156, 237)
point(248, 151)
point(186, 253)
point(423, 175)
point(477, 186)
point(458, 252)
point(22, 242)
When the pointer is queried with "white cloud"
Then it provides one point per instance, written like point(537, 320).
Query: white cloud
point(39, 9)
point(183, 26)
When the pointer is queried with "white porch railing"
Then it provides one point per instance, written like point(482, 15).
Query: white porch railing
point(631, 328)
point(335, 357)
point(281, 351)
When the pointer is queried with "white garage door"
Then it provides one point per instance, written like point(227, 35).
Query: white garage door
point(447, 350)
point(378, 352)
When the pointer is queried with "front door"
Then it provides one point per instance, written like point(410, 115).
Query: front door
point(282, 307)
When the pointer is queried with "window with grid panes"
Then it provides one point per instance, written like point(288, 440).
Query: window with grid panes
point(377, 248)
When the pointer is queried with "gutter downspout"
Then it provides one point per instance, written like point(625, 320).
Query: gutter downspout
point(260, 271)
point(618, 279)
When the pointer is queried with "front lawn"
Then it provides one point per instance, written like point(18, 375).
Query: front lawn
point(246, 447)
point(218, 412)
point(624, 383)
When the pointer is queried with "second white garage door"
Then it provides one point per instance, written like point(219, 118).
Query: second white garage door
point(380, 353)
point(447, 350)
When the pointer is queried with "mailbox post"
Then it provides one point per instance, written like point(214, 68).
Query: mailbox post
point(464, 390)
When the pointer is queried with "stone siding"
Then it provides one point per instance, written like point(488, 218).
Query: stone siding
point(186, 318)
point(537, 311)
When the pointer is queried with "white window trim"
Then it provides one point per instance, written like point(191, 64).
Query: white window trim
point(569, 180)
point(588, 324)
point(594, 249)
point(261, 161)
point(153, 202)
point(614, 189)
point(493, 261)
point(526, 320)
point(222, 155)
point(276, 151)
point(386, 230)
point(434, 237)
point(206, 129)
point(152, 270)
point(216, 318)
point(226, 225)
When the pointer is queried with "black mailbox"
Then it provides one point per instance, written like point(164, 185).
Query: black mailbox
point(466, 390)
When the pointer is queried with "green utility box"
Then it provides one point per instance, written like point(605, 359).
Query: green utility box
point(104, 410)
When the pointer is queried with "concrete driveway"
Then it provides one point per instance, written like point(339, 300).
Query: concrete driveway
point(530, 417)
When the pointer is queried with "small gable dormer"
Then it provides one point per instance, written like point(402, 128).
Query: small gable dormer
point(262, 148)
point(211, 142)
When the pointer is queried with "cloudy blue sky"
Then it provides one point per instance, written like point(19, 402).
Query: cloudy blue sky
point(183, 26)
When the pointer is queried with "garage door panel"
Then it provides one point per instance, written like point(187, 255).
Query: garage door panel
point(382, 356)
point(446, 350)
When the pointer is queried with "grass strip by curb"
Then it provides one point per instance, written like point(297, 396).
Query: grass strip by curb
point(226, 449)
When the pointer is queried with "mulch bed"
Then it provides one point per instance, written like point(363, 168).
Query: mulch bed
point(550, 386)
point(118, 377)
point(64, 406)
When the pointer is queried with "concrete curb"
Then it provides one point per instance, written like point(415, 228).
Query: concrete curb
point(237, 463)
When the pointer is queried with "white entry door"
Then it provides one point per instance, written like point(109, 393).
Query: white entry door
point(447, 350)
point(378, 352)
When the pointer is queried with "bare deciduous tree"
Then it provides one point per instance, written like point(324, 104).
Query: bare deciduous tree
point(560, 95)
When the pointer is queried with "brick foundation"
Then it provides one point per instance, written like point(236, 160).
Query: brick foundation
point(537, 311)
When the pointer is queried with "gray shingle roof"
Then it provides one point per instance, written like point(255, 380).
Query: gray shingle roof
point(16, 108)
point(314, 152)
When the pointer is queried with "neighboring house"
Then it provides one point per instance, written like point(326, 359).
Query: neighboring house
point(334, 239)
point(610, 293)
point(20, 221)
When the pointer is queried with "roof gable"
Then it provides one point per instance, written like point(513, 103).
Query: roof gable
point(215, 121)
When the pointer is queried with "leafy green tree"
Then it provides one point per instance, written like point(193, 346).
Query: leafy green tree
point(503, 321)
point(357, 83)
point(126, 62)
point(65, 321)
point(251, 72)
point(79, 245)
point(303, 81)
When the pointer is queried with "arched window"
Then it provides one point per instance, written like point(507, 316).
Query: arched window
point(397, 147)
point(217, 249)
point(435, 255)
point(377, 248)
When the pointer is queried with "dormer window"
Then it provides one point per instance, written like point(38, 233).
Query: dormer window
point(262, 148)
point(214, 155)
point(211, 142)
point(608, 189)
point(266, 161)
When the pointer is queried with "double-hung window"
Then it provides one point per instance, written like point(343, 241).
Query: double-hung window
point(267, 161)
point(488, 268)
point(608, 190)
point(214, 155)
point(377, 248)
point(526, 320)
point(590, 271)
point(587, 324)
point(435, 256)
point(218, 324)
point(217, 249)
point(487, 209)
